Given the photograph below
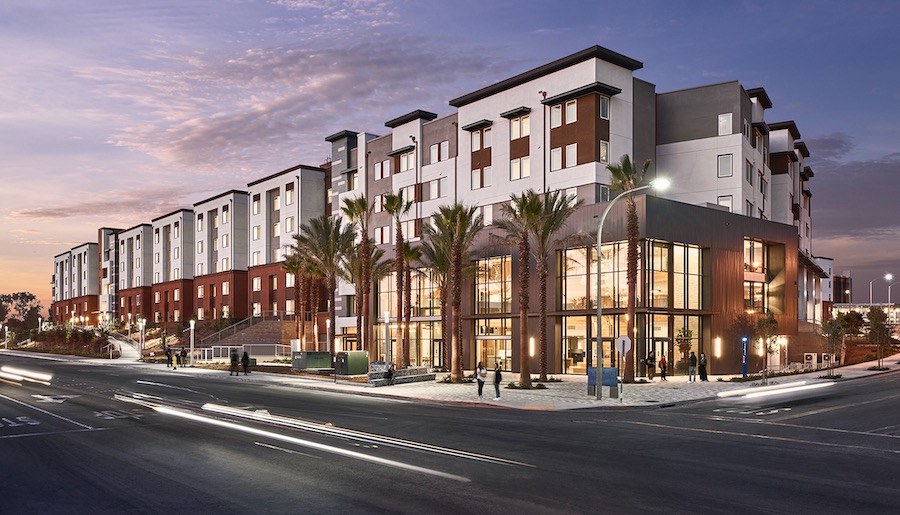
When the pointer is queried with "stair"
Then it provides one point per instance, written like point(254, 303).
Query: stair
point(266, 331)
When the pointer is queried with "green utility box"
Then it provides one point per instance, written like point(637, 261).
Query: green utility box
point(351, 363)
point(306, 360)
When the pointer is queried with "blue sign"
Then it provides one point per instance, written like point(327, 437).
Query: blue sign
point(744, 362)
point(610, 376)
point(592, 376)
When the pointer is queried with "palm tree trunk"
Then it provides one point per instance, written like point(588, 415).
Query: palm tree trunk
point(455, 300)
point(446, 340)
point(398, 271)
point(542, 270)
point(314, 296)
point(524, 364)
point(297, 312)
point(407, 312)
point(304, 295)
point(632, 258)
point(332, 286)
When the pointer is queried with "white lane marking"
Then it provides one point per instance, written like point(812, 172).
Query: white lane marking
point(289, 451)
point(163, 385)
point(307, 443)
point(45, 412)
point(47, 433)
point(56, 399)
point(767, 437)
point(264, 416)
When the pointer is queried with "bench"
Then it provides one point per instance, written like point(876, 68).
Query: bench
point(403, 375)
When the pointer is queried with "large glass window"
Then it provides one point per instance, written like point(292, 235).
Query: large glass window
point(574, 345)
point(658, 275)
point(387, 296)
point(574, 274)
point(755, 296)
point(493, 285)
point(614, 289)
point(687, 274)
point(754, 256)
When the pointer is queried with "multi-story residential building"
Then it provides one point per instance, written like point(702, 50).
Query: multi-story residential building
point(221, 241)
point(279, 205)
point(109, 273)
point(173, 266)
point(842, 288)
point(76, 286)
point(135, 274)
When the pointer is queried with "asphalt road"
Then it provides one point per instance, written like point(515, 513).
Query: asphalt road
point(104, 439)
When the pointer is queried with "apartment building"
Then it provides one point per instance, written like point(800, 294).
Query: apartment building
point(221, 237)
point(279, 205)
point(76, 286)
point(173, 267)
point(135, 258)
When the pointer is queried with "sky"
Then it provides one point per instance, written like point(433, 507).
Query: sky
point(114, 112)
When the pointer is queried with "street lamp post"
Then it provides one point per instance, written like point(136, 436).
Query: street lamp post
point(193, 323)
point(658, 184)
point(887, 277)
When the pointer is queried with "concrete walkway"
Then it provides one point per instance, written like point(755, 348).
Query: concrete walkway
point(570, 393)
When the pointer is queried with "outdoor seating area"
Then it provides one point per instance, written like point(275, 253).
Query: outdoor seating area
point(403, 375)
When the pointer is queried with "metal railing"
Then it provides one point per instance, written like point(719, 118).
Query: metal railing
point(223, 352)
point(244, 324)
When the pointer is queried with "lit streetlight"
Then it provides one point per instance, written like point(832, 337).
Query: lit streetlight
point(887, 277)
point(659, 184)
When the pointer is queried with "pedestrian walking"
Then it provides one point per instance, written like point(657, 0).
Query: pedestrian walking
point(168, 357)
point(245, 362)
point(497, 378)
point(235, 360)
point(703, 363)
point(662, 368)
point(183, 356)
point(651, 365)
point(480, 377)
point(692, 367)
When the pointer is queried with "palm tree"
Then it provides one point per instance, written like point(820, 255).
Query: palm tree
point(457, 225)
point(325, 243)
point(295, 264)
point(624, 179)
point(397, 207)
point(556, 208)
point(359, 212)
point(437, 243)
point(522, 214)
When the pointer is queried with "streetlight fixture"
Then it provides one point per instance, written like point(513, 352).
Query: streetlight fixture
point(659, 184)
point(193, 323)
point(887, 277)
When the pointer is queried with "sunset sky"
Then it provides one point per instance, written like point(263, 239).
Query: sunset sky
point(113, 112)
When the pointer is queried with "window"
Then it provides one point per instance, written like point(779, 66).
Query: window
point(378, 202)
point(200, 222)
point(748, 172)
point(137, 261)
point(748, 208)
point(725, 201)
point(493, 285)
point(572, 195)
point(487, 213)
point(289, 307)
point(199, 313)
point(408, 194)
point(520, 168)
point(407, 161)
point(225, 288)
point(440, 151)
point(289, 224)
point(276, 229)
point(199, 268)
point(257, 284)
point(177, 294)
point(601, 193)
point(555, 116)
point(224, 214)
point(725, 165)
point(177, 252)
point(434, 154)
point(761, 182)
point(226, 311)
point(571, 111)
point(156, 297)
point(177, 230)
point(289, 194)
point(256, 232)
point(383, 235)
point(255, 260)
point(382, 170)
point(571, 155)
point(604, 151)
point(746, 129)
point(176, 274)
point(278, 254)
point(520, 127)
point(352, 180)
point(224, 241)
point(410, 229)
point(257, 309)
point(437, 188)
point(555, 159)
point(481, 139)
point(276, 203)
point(755, 296)
point(604, 108)
point(481, 178)
point(226, 264)
point(255, 207)
point(724, 124)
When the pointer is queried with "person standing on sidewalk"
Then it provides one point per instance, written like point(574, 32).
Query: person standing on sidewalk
point(662, 368)
point(168, 357)
point(692, 367)
point(497, 378)
point(480, 377)
point(245, 362)
point(235, 360)
point(651, 365)
point(703, 372)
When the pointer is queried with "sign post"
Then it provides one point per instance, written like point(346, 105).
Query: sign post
point(623, 345)
point(744, 351)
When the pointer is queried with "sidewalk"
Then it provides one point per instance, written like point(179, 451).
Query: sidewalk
point(569, 394)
